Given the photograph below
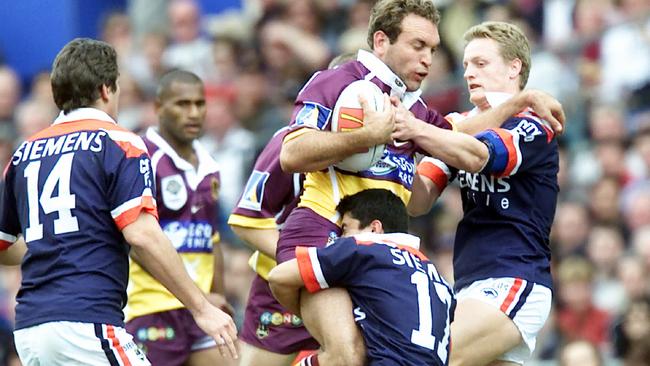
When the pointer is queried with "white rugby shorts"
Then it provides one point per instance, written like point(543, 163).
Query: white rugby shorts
point(527, 304)
point(72, 343)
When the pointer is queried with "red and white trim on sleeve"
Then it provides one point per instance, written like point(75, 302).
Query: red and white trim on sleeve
point(511, 142)
point(6, 240)
point(310, 270)
point(435, 170)
point(130, 143)
point(129, 211)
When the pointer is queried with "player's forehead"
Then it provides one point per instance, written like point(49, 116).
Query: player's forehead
point(481, 48)
point(417, 28)
point(179, 90)
point(349, 225)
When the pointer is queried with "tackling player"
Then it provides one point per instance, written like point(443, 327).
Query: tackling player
point(268, 198)
point(402, 35)
point(79, 192)
point(187, 188)
point(501, 253)
point(401, 303)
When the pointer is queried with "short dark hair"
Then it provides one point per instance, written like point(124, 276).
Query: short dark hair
point(79, 71)
point(176, 75)
point(376, 204)
point(387, 16)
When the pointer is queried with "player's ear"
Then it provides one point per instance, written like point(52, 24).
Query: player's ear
point(104, 92)
point(380, 42)
point(377, 227)
point(515, 68)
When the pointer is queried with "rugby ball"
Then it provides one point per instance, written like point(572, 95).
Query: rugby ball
point(348, 115)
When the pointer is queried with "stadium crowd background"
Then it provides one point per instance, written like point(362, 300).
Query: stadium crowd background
point(593, 55)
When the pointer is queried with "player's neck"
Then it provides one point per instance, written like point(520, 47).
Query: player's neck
point(183, 149)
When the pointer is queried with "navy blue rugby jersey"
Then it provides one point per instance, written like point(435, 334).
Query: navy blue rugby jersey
point(70, 190)
point(508, 207)
point(403, 306)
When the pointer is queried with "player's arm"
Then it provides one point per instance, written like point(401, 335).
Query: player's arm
point(544, 105)
point(309, 150)
point(423, 195)
point(429, 182)
point(13, 256)
point(264, 240)
point(155, 253)
point(456, 149)
point(285, 282)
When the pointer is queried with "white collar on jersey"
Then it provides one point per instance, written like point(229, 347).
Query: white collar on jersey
point(83, 113)
point(494, 99)
point(379, 69)
point(207, 165)
point(391, 239)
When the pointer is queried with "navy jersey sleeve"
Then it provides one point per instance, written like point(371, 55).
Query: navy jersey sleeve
point(519, 145)
point(9, 225)
point(130, 178)
point(332, 266)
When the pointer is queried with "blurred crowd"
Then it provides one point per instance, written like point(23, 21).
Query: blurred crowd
point(593, 55)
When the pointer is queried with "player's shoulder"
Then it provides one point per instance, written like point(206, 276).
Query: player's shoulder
point(129, 142)
point(528, 124)
point(333, 81)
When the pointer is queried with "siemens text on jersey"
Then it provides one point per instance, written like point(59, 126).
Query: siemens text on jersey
point(34, 150)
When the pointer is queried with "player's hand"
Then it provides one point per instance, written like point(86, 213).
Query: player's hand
point(547, 108)
point(219, 326)
point(405, 124)
point(221, 302)
point(378, 124)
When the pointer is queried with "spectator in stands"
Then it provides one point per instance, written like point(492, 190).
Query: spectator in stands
point(577, 316)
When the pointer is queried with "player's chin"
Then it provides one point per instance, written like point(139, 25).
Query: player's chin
point(413, 84)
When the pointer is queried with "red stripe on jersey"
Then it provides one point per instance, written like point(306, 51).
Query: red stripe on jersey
point(511, 295)
point(414, 251)
point(110, 333)
point(306, 270)
point(409, 249)
point(4, 245)
point(130, 150)
point(509, 142)
point(70, 127)
point(129, 216)
point(433, 172)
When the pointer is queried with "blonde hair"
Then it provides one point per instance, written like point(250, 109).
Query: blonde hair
point(512, 42)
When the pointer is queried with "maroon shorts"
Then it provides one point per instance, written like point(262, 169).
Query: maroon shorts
point(268, 325)
point(305, 228)
point(169, 337)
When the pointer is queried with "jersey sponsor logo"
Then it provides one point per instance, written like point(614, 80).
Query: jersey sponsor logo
point(174, 192)
point(359, 314)
point(483, 183)
point(254, 191)
point(34, 150)
point(313, 115)
point(395, 167)
point(527, 129)
point(384, 166)
point(192, 237)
